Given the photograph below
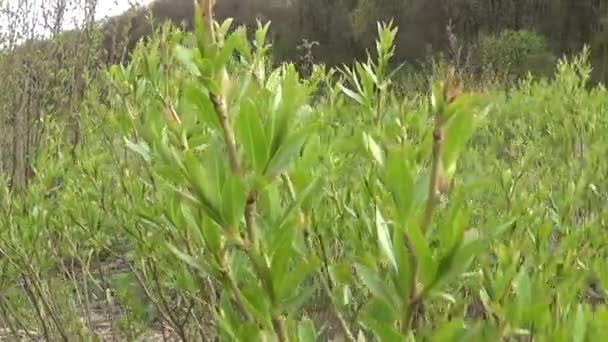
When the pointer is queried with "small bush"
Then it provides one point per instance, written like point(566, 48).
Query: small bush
point(515, 53)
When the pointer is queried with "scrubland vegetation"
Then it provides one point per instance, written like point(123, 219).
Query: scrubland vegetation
point(202, 191)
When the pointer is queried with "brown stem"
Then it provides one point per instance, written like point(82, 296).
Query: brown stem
point(411, 305)
point(221, 109)
point(48, 305)
point(250, 209)
point(35, 304)
point(218, 100)
point(438, 138)
point(279, 327)
point(171, 312)
point(219, 103)
point(226, 272)
point(207, 9)
point(414, 299)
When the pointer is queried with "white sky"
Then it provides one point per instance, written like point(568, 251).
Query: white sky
point(37, 10)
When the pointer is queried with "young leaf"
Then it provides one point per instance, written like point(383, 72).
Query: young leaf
point(426, 263)
point(194, 95)
point(192, 262)
point(312, 189)
point(186, 57)
point(452, 331)
point(287, 152)
point(207, 192)
point(376, 286)
point(401, 184)
point(384, 238)
point(373, 147)
point(252, 136)
point(290, 283)
point(385, 332)
point(233, 199)
point(306, 331)
point(580, 325)
point(457, 133)
point(352, 94)
point(140, 148)
point(402, 278)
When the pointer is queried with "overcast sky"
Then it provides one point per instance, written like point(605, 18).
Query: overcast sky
point(73, 18)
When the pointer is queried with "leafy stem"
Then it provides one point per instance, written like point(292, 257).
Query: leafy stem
point(438, 138)
point(219, 102)
point(411, 304)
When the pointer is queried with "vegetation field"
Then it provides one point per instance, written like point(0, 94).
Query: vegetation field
point(215, 195)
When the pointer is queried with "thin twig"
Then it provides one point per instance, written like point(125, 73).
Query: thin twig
point(449, 93)
point(250, 222)
point(32, 297)
point(438, 138)
point(218, 100)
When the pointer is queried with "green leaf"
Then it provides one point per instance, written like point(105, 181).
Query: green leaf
point(371, 74)
point(451, 331)
point(260, 35)
point(385, 332)
point(403, 276)
point(376, 286)
point(340, 273)
point(458, 131)
point(233, 201)
point(286, 153)
point(212, 234)
point(523, 289)
point(198, 98)
point(373, 147)
point(192, 262)
point(188, 216)
point(288, 287)
point(312, 189)
point(306, 331)
point(580, 325)
point(233, 42)
point(186, 57)
point(352, 94)
point(452, 231)
point(437, 96)
point(252, 136)
point(293, 305)
point(207, 191)
point(377, 310)
point(225, 326)
point(242, 43)
point(426, 264)
point(140, 148)
point(249, 331)
point(281, 251)
point(457, 260)
point(256, 302)
point(384, 238)
point(401, 184)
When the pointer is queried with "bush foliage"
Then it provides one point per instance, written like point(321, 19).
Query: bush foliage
point(214, 195)
point(515, 53)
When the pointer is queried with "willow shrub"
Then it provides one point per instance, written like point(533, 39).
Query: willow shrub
point(246, 203)
point(263, 197)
